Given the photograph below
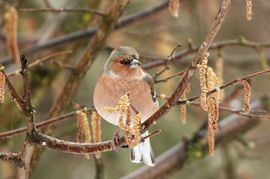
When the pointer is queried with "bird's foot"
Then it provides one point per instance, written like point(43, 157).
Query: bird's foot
point(116, 139)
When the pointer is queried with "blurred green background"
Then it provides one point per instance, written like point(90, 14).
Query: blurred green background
point(154, 36)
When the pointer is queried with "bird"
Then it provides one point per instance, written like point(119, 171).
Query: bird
point(123, 74)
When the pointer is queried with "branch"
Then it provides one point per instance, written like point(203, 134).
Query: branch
point(28, 107)
point(175, 158)
point(83, 34)
point(12, 157)
point(248, 77)
point(14, 94)
point(40, 61)
point(57, 10)
point(29, 112)
point(219, 45)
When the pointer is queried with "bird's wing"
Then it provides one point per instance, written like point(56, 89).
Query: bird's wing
point(149, 80)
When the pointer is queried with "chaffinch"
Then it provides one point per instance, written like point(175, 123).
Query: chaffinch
point(122, 74)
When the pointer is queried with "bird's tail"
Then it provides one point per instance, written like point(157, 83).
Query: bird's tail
point(143, 152)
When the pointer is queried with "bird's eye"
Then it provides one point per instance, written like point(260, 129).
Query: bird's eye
point(125, 61)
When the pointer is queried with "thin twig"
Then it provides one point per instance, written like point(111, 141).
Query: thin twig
point(64, 65)
point(156, 62)
point(181, 73)
point(40, 61)
point(58, 10)
point(250, 114)
point(14, 94)
point(167, 66)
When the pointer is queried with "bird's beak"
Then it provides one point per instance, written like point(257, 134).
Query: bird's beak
point(135, 63)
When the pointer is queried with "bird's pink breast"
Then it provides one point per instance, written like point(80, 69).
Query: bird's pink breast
point(109, 90)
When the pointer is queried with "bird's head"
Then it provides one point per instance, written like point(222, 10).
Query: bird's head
point(123, 61)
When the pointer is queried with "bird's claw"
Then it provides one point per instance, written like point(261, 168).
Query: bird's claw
point(116, 139)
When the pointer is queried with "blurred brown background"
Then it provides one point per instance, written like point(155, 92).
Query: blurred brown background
point(155, 36)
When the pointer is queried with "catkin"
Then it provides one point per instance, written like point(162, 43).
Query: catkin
point(136, 130)
point(83, 129)
point(132, 133)
point(128, 129)
point(2, 85)
point(183, 108)
point(79, 135)
point(213, 114)
point(219, 70)
point(11, 23)
point(122, 107)
point(249, 6)
point(247, 95)
point(203, 83)
point(210, 81)
point(121, 119)
point(213, 83)
point(96, 129)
